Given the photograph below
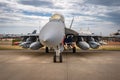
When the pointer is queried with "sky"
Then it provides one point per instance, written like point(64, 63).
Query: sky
point(24, 16)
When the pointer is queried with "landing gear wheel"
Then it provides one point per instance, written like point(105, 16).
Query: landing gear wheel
point(60, 57)
point(47, 50)
point(54, 58)
point(74, 49)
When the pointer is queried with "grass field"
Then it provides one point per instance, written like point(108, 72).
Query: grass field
point(110, 47)
point(106, 47)
point(7, 45)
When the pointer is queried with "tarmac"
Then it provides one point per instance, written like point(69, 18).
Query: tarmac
point(38, 65)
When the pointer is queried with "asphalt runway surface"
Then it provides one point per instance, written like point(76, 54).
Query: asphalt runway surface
point(38, 65)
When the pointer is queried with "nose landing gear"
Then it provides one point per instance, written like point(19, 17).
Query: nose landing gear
point(58, 56)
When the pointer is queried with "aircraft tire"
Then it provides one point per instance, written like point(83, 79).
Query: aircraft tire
point(54, 58)
point(74, 49)
point(47, 50)
point(60, 58)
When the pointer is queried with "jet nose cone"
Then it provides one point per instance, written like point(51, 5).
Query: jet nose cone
point(52, 34)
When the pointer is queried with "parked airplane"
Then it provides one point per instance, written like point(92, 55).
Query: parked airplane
point(55, 34)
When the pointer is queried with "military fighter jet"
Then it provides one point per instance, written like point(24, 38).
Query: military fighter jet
point(55, 34)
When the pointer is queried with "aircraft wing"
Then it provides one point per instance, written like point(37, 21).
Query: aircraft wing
point(28, 35)
point(83, 41)
point(70, 31)
point(31, 41)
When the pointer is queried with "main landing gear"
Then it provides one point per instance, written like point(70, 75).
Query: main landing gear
point(74, 49)
point(47, 50)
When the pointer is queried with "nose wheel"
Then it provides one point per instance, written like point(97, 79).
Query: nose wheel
point(57, 58)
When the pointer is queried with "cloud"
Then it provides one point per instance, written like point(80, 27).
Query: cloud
point(104, 2)
point(114, 17)
point(36, 2)
point(96, 14)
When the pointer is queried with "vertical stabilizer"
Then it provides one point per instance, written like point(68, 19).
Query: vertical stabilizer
point(34, 32)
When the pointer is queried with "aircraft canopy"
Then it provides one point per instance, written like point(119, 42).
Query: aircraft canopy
point(57, 17)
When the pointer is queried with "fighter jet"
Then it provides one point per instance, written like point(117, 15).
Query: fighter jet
point(55, 34)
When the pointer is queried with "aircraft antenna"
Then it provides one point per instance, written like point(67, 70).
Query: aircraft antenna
point(39, 28)
point(71, 22)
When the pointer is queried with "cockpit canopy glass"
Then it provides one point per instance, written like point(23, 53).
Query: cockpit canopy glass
point(57, 17)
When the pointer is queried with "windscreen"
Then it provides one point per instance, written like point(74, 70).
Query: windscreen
point(57, 17)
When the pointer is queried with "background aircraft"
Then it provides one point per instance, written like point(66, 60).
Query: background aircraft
point(55, 34)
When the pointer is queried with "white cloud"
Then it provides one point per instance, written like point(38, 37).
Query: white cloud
point(13, 13)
